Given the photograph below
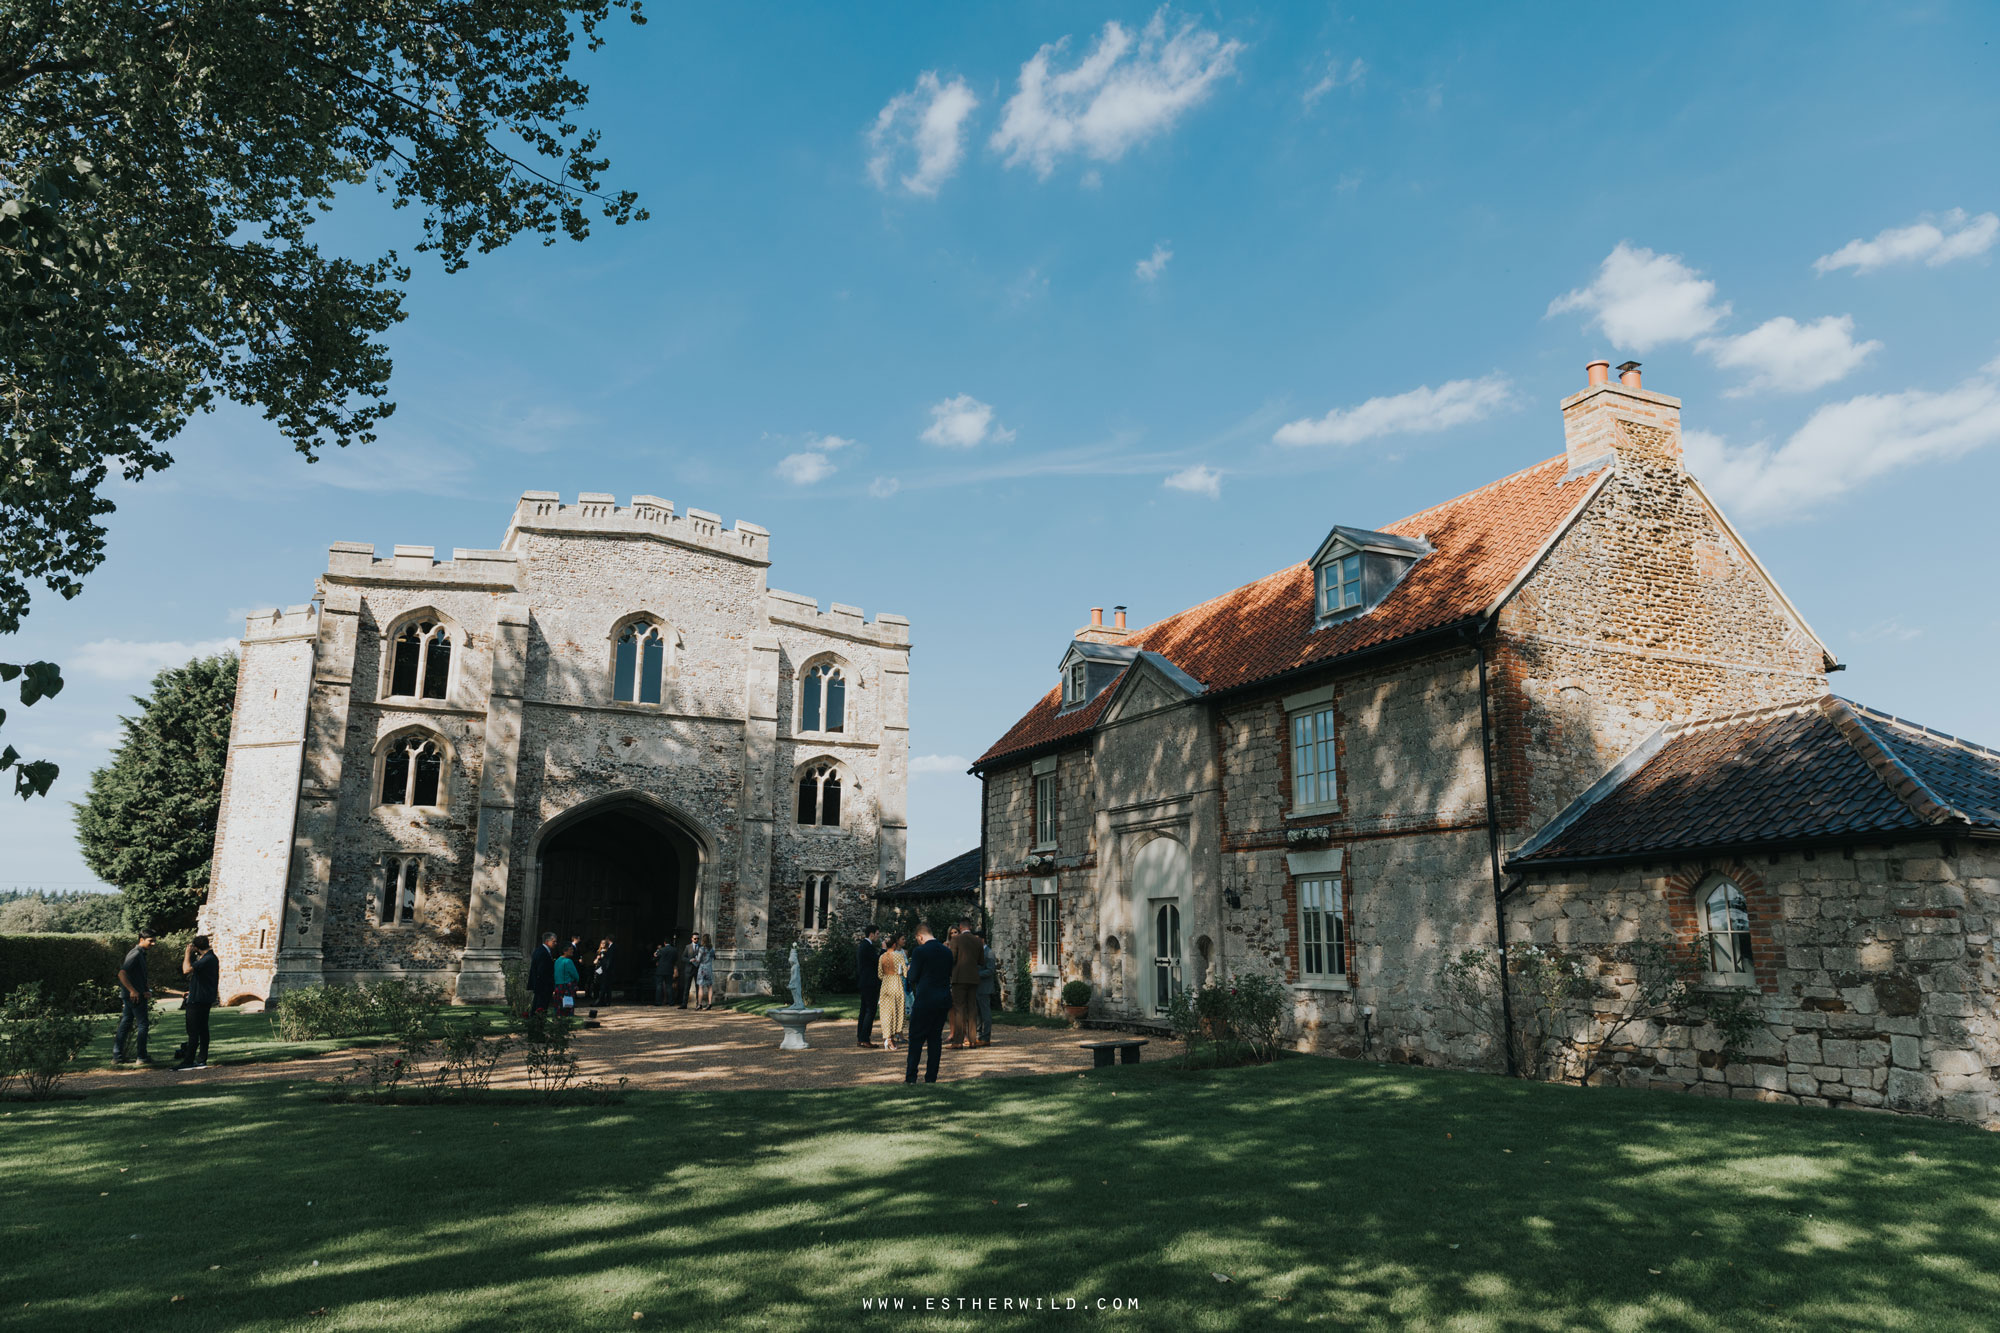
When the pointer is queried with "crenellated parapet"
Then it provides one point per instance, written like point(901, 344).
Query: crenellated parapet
point(357, 563)
point(271, 625)
point(647, 516)
point(847, 622)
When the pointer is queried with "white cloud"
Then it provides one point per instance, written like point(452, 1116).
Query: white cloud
point(940, 763)
point(1418, 412)
point(1641, 299)
point(1128, 89)
point(1150, 267)
point(812, 464)
point(884, 487)
point(130, 659)
point(928, 122)
point(1336, 77)
point(1791, 357)
point(1960, 237)
point(1842, 446)
point(803, 469)
point(1200, 479)
point(963, 422)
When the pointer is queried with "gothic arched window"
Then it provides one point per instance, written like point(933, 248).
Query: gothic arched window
point(816, 912)
point(413, 771)
point(399, 890)
point(422, 665)
point(819, 796)
point(824, 707)
point(641, 664)
point(1726, 918)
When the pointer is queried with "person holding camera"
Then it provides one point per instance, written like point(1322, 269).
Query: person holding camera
point(203, 971)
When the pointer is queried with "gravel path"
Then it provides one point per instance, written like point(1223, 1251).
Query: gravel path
point(722, 1050)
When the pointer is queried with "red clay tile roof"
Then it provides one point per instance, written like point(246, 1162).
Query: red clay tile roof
point(1798, 774)
point(1482, 542)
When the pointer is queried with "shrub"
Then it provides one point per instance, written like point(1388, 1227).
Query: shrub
point(314, 1013)
point(552, 1068)
point(67, 966)
point(396, 1007)
point(1257, 1011)
point(402, 1008)
point(778, 970)
point(1024, 984)
point(1076, 993)
point(41, 1035)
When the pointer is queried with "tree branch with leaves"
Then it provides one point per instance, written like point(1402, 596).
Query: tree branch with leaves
point(161, 166)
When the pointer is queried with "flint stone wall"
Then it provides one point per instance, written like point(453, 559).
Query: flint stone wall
point(1877, 988)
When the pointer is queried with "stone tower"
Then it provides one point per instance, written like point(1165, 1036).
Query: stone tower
point(610, 726)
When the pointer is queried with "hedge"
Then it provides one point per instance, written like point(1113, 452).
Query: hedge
point(66, 963)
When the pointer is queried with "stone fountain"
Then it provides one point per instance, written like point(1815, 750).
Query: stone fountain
point(794, 1016)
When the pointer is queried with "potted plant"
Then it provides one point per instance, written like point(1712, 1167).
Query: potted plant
point(1076, 999)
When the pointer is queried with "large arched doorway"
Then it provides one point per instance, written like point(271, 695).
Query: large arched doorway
point(1160, 889)
point(622, 871)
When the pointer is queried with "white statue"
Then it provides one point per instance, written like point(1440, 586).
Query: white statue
point(798, 984)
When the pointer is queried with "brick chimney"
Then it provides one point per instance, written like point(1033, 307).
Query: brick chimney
point(1099, 632)
point(1620, 420)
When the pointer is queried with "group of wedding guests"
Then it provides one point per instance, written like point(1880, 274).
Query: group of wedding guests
point(914, 990)
point(559, 977)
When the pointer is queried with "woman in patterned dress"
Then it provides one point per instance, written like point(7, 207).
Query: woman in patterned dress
point(895, 1017)
point(704, 974)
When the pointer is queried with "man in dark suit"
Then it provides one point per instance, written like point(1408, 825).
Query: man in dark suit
point(929, 981)
point(666, 962)
point(866, 958)
point(542, 973)
point(967, 949)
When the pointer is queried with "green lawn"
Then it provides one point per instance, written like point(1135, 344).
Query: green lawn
point(1349, 1194)
point(234, 1037)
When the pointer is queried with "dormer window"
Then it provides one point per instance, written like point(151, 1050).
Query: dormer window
point(1340, 584)
point(1073, 683)
point(1354, 570)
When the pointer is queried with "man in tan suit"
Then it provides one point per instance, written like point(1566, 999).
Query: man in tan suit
point(966, 951)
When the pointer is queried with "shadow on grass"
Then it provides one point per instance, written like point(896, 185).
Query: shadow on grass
point(1358, 1194)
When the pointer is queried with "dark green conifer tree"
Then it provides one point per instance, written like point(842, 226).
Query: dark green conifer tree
point(148, 824)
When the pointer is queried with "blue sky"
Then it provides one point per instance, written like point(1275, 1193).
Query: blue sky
point(995, 315)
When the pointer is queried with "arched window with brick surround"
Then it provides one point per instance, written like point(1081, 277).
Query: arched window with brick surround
point(1725, 922)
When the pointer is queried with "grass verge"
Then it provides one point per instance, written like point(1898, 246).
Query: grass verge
point(1309, 1191)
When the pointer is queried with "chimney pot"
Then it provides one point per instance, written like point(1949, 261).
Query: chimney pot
point(1599, 372)
point(1097, 617)
point(1119, 613)
point(1628, 374)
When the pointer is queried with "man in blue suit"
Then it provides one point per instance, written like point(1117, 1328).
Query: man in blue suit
point(929, 981)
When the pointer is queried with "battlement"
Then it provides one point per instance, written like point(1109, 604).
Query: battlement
point(796, 609)
point(647, 516)
point(356, 562)
point(269, 624)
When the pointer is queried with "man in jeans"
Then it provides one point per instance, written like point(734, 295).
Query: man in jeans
point(138, 998)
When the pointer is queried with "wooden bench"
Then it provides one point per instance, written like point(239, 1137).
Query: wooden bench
point(1125, 1048)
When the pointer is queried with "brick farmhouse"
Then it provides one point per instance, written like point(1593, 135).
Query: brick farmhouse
point(1569, 709)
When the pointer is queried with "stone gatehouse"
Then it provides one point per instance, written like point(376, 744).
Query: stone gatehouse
point(610, 725)
point(1540, 712)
